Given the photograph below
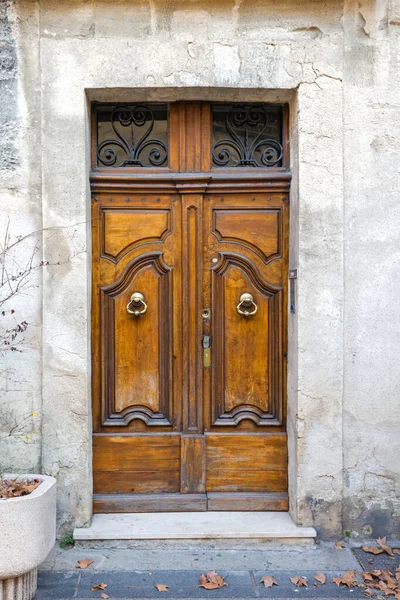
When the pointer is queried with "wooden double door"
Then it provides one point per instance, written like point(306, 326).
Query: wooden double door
point(189, 320)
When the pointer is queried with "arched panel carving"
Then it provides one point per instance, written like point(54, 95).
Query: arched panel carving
point(247, 350)
point(136, 350)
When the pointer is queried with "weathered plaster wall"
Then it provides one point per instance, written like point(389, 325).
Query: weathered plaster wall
point(20, 241)
point(337, 66)
point(371, 422)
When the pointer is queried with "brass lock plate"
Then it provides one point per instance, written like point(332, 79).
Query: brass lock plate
point(206, 351)
point(206, 357)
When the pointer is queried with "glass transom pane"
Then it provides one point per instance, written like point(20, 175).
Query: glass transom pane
point(247, 135)
point(132, 135)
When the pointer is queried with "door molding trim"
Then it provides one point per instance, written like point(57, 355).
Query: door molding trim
point(189, 183)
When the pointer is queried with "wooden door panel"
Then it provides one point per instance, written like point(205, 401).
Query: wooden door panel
point(247, 252)
point(246, 463)
point(136, 359)
point(125, 229)
point(136, 351)
point(244, 349)
point(136, 379)
point(136, 464)
point(256, 228)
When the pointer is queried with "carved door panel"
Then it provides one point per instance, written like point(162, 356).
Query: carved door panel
point(136, 343)
point(245, 287)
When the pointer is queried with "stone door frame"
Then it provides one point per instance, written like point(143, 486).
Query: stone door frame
point(315, 359)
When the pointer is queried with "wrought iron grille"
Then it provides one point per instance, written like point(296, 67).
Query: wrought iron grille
point(247, 135)
point(132, 135)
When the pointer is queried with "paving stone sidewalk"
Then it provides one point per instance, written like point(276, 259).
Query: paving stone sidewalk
point(184, 584)
point(133, 572)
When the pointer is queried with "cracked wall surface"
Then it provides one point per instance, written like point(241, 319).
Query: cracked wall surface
point(337, 65)
point(20, 242)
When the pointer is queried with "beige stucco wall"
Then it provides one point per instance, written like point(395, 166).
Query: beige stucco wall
point(337, 64)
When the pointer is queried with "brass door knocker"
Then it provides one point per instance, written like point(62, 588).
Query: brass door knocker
point(137, 305)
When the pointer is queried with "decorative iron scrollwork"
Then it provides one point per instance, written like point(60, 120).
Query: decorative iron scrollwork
point(132, 146)
point(248, 144)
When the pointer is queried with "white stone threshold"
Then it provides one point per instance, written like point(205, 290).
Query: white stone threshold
point(195, 525)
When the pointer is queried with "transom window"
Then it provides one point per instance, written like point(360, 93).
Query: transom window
point(241, 135)
point(132, 135)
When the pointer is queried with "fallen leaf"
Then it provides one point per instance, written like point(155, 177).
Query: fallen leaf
point(367, 576)
point(299, 581)
point(385, 546)
point(396, 550)
point(339, 546)
point(378, 573)
point(373, 550)
point(320, 577)
point(211, 581)
point(161, 587)
point(369, 592)
point(103, 595)
point(99, 586)
point(385, 574)
point(84, 563)
point(348, 579)
point(268, 581)
point(384, 587)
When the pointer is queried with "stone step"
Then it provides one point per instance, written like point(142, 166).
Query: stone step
point(275, 526)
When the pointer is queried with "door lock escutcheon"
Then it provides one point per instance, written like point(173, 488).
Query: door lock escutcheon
point(206, 351)
point(206, 313)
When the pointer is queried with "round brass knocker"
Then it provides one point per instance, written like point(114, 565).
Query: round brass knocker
point(136, 306)
point(246, 301)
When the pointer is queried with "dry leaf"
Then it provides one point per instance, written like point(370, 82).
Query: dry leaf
point(211, 581)
point(161, 587)
point(348, 579)
point(373, 550)
point(14, 488)
point(320, 577)
point(104, 596)
point(385, 546)
point(268, 581)
point(99, 586)
point(367, 576)
point(396, 551)
point(299, 581)
point(84, 563)
point(339, 546)
point(378, 573)
point(385, 574)
point(384, 587)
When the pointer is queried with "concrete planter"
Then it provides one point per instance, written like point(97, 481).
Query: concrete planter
point(27, 534)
